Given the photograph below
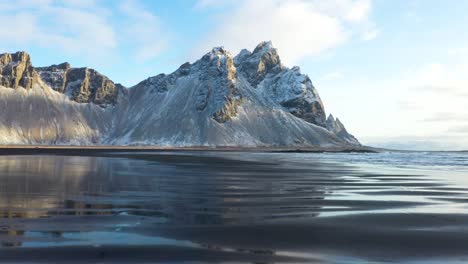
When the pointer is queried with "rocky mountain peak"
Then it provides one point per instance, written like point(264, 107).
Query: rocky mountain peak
point(16, 70)
point(263, 47)
point(257, 65)
point(218, 62)
point(335, 126)
point(218, 52)
point(288, 87)
point(83, 85)
point(57, 67)
point(218, 100)
point(20, 56)
point(217, 93)
point(243, 54)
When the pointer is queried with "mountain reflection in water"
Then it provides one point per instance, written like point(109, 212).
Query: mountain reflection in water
point(240, 207)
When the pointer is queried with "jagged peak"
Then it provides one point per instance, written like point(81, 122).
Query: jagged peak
point(265, 53)
point(338, 122)
point(19, 53)
point(63, 66)
point(19, 56)
point(185, 65)
point(244, 52)
point(215, 56)
point(265, 49)
point(335, 125)
point(219, 52)
point(264, 46)
point(16, 70)
point(257, 65)
point(55, 67)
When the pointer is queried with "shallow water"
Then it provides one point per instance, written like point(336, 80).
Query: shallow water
point(235, 207)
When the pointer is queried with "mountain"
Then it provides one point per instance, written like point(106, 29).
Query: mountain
point(16, 70)
point(251, 99)
point(335, 126)
point(82, 85)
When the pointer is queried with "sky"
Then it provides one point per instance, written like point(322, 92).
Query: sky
point(394, 72)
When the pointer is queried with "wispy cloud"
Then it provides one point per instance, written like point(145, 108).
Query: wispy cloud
point(370, 34)
point(421, 142)
point(203, 4)
point(144, 30)
point(447, 117)
point(461, 129)
point(332, 76)
point(433, 96)
point(63, 26)
point(84, 27)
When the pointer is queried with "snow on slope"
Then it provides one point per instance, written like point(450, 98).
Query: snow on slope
point(220, 100)
point(43, 116)
point(181, 108)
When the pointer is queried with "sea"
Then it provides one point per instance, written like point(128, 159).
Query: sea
point(234, 207)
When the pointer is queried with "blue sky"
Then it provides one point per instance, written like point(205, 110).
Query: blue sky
point(395, 72)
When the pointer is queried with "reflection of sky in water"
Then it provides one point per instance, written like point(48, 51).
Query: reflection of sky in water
point(203, 189)
point(98, 238)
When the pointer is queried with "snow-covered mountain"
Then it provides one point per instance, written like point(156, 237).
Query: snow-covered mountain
point(251, 99)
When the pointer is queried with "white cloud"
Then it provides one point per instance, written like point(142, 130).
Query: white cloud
point(437, 95)
point(79, 31)
point(460, 51)
point(83, 28)
point(202, 4)
point(336, 75)
point(370, 34)
point(298, 28)
point(440, 79)
point(62, 26)
point(145, 30)
point(358, 11)
point(81, 3)
point(24, 25)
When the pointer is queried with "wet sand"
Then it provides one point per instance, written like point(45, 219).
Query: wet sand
point(232, 207)
point(90, 150)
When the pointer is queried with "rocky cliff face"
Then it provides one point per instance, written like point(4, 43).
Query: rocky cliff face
point(16, 70)
point(288, 87)
point(55, 76)
point(217, 70)
point(82, 85)
point(250, 99)
point(220, 100)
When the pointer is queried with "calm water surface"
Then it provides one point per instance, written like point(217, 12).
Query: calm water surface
point(232, 207)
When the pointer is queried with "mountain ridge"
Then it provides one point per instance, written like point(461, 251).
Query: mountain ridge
point(250, 99)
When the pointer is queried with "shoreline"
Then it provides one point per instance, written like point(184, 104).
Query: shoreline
point(49, 149)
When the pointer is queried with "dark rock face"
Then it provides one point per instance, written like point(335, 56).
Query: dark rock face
point(16, 70)
point(251, 99)
point(161, 82)
point(311, 112)
point(55, 76)
point(86, 85)
point(216, 92)
point(288, 87)
point(295, 92)
point(82, 85)
point(256, 65)
point(217, 70)
point(335, 126)
point(229, 109)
